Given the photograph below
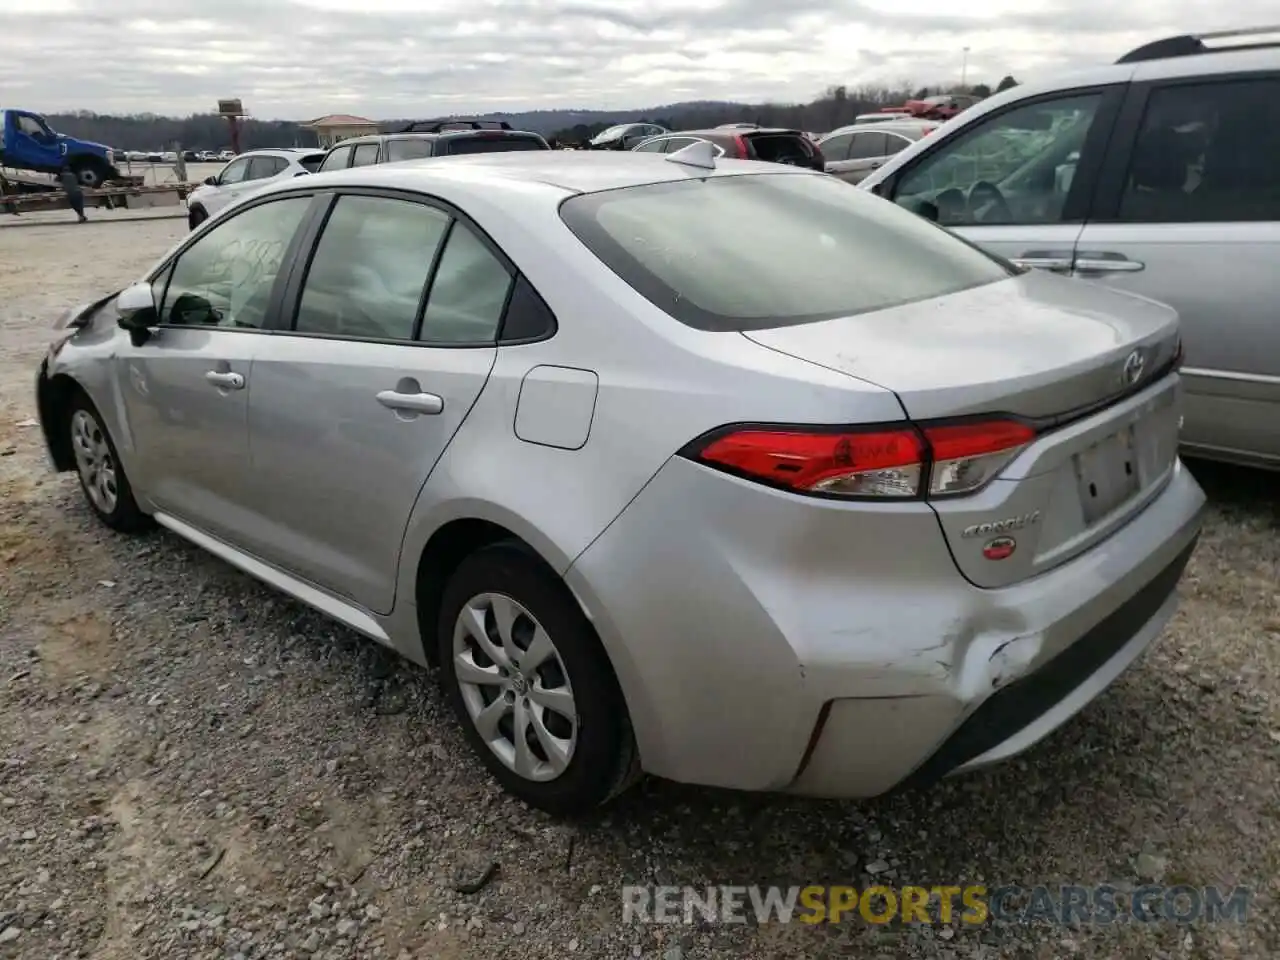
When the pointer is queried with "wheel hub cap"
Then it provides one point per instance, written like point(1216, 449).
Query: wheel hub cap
point(515, 687)
point(94, 462)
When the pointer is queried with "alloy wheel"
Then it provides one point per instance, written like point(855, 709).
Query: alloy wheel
point(514, 686)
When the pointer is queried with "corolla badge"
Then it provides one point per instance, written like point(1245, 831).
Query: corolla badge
point(1134, 364)
point(1001, 526)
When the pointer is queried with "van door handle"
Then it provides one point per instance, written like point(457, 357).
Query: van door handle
point(225, 380)
point(428, 403)
point(1107, 262)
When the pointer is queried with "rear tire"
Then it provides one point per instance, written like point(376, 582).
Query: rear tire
point(517, 658)
point(102, 478)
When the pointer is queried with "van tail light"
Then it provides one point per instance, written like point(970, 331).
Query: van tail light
point(894, 462)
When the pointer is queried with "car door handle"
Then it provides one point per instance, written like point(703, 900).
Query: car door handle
point(411, 402)
point(1033, 262)
point(873, 165)
point(225, 380)
point(1107, 262)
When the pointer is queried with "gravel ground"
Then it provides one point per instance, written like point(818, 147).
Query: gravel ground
point(192, 766)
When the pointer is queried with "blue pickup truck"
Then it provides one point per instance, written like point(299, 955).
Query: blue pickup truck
point(27, 142)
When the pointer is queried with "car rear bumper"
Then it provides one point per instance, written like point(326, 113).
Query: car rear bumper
point(771, 642)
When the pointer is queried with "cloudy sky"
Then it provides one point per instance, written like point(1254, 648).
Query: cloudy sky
point(388, 58)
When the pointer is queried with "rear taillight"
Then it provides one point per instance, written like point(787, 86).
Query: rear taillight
point(902, 461)
point(741, 143)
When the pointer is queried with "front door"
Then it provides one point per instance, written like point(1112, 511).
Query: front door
point(355, 401)
point(1009, 180)
point(35, 144)
point(1196, 223)
point(186, 389)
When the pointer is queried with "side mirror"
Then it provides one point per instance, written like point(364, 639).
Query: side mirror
point(136, 312)
point(211, 181)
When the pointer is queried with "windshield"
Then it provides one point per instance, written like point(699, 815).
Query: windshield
point(759, 251)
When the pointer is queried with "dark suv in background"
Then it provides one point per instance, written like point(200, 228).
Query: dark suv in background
point(744, 143)
point(430, 138)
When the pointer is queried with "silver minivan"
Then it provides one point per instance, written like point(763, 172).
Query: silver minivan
point(1160, 175)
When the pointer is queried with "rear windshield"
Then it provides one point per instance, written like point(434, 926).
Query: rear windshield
point(755, 251)
point(493, 144)
point(311, 162)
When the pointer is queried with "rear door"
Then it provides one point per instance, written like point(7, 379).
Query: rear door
point(1017, 181)
point(389, 341)
point(1188, 212)
point(866, 153)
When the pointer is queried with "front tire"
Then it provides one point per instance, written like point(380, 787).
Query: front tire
point(196, 216)
point(91, 175)
point(531, 685)
point(102, 478)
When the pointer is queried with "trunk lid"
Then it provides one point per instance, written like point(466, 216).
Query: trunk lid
point(1036, 345)
point(1055, 350)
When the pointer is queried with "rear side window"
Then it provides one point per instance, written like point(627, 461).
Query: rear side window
point(781, 148)
point(338, 159)
point(468, 292)
point(460, 145)
point(837, 147)
point(758, 251)
point(408, 149)
point(262, 167)
point(1207, 152)
point(311, 162)
point(868, 145)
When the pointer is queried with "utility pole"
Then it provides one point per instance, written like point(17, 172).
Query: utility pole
point(964, 70)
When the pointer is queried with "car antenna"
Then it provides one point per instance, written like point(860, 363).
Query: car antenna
point(700, 153)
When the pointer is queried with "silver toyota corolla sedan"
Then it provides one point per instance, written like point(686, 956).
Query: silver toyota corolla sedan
point(712, 469)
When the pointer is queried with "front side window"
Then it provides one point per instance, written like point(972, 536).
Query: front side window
point(1206, 152)
point(366, 154)
point(767, 250)
point(235, 172)
point(32, 127)
point(224, 278)
point(1015, 167)
point(408, 149)
point(370, 268)
point(337, 159)
point(468, 292)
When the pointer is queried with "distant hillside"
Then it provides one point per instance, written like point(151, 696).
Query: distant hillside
point(144, 131)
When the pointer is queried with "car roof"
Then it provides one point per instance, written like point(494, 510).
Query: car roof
point(890, 125)
point(732, 132)
point(563, 171)
point(429, 135)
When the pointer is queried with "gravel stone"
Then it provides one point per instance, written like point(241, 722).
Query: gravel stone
point(252, 780)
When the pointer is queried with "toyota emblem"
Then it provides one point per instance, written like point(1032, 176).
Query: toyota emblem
point(1133, 367)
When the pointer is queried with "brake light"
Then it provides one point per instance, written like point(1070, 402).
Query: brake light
point(902, 461)
point(741, 142)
